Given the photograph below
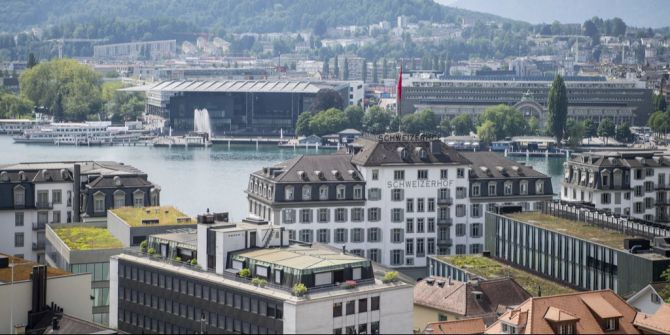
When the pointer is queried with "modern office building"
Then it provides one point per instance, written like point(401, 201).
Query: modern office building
point(34, 194)
point(87, 248)
point(585, 249)
point(591, 98)
point(635, 184)
point(23, 290)
point(148, 50)
point(238, 106)
point(395, 200)
point(343, 295)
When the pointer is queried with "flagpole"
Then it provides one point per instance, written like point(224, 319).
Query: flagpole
point(398, 95)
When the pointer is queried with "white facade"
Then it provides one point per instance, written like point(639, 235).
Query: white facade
point(647, 300)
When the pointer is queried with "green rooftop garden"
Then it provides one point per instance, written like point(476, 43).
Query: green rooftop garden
point(88, 238)
point(610, 238)
point(489, 268)
point(165, 215)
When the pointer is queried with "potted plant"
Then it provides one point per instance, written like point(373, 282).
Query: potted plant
point(390, 277)
point(244, 273)
point(177, 259)
point(349, 284)
point(143, 246)
point(260, 282)
point(194, 262)
point(299, 289)
point(151, 251)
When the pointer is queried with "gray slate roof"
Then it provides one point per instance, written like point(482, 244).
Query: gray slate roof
point(375, 152)
point(326, 164)
point(498, 166)
point(632, 159)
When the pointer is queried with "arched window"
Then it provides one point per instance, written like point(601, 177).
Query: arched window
point(358, 192)
point(99, 202)
point(138, 198)
point(19, 196)
point(539, 187)
point(155, 197)
point(307, 192)
point(119, 199)
point(288, 193)
point(523, 187)
point(323, 192)
point(341, 192)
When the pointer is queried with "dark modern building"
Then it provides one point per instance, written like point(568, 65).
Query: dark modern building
point(588, 97)
point(237, 106)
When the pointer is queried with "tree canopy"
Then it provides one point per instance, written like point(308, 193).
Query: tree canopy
point(419, 122)
point(376, 120)
point(462, 124)
point(505, 122)
point(329, 121)
point(302, 124)
point(557, 105)
point(606, 129)
point(326, 99)
point(354, 115)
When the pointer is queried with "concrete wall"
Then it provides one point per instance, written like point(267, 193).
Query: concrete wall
point(118, 228)
point(70, 292)
point(113, 293)
point(425, 315)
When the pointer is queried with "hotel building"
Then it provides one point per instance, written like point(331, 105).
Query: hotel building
point(395, 200)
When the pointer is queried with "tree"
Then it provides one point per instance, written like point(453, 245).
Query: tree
point(375, 77)
point(319, 28)
point(354, 115)
point(78, 84)
point(606, 129)
point(487, 132)
point(376, 120)
point(533, 126)
point(336, 69)
point(329, 121)
point(575, 132)
point(618, 27)
point(659, 122)
point(445, 127)
point(557, 105)
point(325, 69)
point(419, 122)
point(623, 133)
point(665, 292)
point(507, 121)
point(59, 113)
point(364, 74)
point(325, 99)
point(302, 124)
point(591, 128)
point(661, 104)
point(591, 30)
point(32, 61)
point(462, 124)
point(345, 70)
point(14, 107)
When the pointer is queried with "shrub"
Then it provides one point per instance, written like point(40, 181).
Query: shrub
point(143, 245)
point(178, 259)
point(299, 289)
point(194, 261)
point(390, 277)
point(244, 273)
point(260, 282)
point(151, 251)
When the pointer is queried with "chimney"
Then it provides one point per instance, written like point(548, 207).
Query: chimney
point(76, 207)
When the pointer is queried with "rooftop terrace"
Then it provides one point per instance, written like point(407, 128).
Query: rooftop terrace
point(303, 258)
point(585, 231)
point(163, 215)
point(23, 268)
point(87, 238)
point(489, 268)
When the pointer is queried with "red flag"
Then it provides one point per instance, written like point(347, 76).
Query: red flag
point(399, 90)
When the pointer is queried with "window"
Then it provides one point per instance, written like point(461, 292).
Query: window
point(442, 317)
point(351, 307)
point(605, 198)
point(409, 246)
point(18, 219)
point(374, 305)
point(374, 235)
point(56, 196)
point(460, 192)
point(420, 227)
point(358, 192)
point(460, 173)
point(357, 235)
point(611, 324)
point(422, 174)
point(19, 196)
point(397, 215)
point(56, 217)
point(431, 204)
point(396, 257)
point(305, 216)
point(420, 207)
point(374, 255)
point(566, 328)
point(460, 210)
point(119, 199)
point(638, 191)
point(362, 305)
point(323, 192)
point(357, 214)
point(337, 309)
point(18, 240)
point(409, 207)
point(431, 246)
point(375, 174)
point(443, 194)
point(306, 235)
point(460, 249)
point(409, 226)
point(508, 188)
point(476, 190)
point(476, 230)
point(444, 174)
point(420, 247)
point(288, 193)
point(99, 202)
point(396, 235)
point(460, 229)
point(476, 210)
point(399, 175)
point(288, 216)
point(324, 214)
point(397, 194)
point(138, 198)
point(340, 214)
point(523, 187)
point(649, 186)
point(492, 189)
point(431, 225)
point(539, 187)
point(323, 235)
point(341, 192)
point(307, 192)
point(374, 194)
point(43, 198)
point(374, 214)
point(340, 235)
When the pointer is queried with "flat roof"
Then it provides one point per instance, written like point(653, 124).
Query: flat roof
point(489, 268)
point(23, 268)
point(302, 257)
point(87, 238)
point(582, 230)
point(187, 236)
point(166, 215)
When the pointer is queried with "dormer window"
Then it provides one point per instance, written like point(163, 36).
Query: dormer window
point(288, 193)
point(19, 196)
point(539, 187)
point(307, 192)
point(508, 329)
point(610, 324)
point(566, 328)
point(358, 192)
point(323, 192)
point(341, 192)
point(508, 188)
point(523, 187)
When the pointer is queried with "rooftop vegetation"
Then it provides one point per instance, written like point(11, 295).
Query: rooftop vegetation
point(166, 215)
point(88, 238)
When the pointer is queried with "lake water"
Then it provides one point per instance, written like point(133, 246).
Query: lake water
point(197, 178)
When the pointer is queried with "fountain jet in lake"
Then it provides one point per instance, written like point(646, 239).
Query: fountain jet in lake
point(201, 122)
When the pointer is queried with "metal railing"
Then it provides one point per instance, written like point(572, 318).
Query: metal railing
point(39, 225)
point(444, 221)
point(38, 245)
point(445, 201)
point(44, 205)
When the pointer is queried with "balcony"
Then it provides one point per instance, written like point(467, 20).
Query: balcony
point(43, 205)
point(39, 225)
point(38, 245)
point(444, 242)
point(445, 221)
point(448, 201)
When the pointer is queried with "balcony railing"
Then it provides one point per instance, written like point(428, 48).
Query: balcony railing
point(44, 205)
point(445, 221)
point(39, 225)
point(38, 245)
point(444, 242)
point(447, 201)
